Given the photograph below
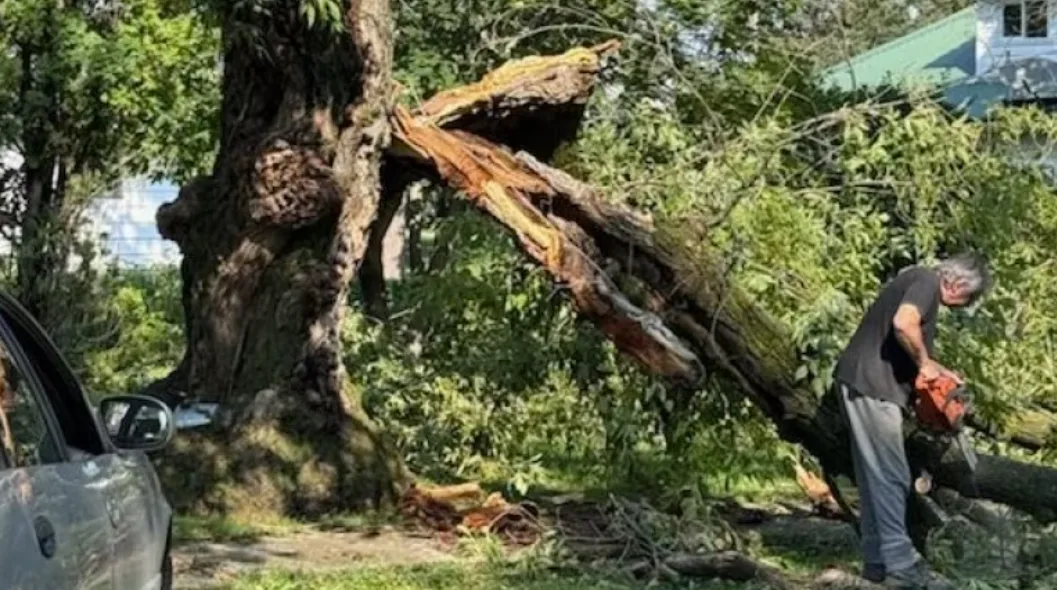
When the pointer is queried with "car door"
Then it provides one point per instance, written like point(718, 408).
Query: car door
point(22, 565)
point(131, 495)
point(138, 516)
point(56, 507)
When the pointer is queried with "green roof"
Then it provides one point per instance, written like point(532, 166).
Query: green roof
point(941, 53)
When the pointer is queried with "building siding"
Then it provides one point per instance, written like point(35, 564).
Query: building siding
point(994, 50)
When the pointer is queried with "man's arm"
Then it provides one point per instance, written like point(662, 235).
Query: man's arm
point(907, 324)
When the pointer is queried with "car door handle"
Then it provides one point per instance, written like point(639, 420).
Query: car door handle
point(45, 536)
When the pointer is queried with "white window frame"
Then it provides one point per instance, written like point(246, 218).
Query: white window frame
point(1023, 36)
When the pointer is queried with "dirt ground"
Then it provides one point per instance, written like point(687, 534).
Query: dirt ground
point(793, 541)
point(206, 564)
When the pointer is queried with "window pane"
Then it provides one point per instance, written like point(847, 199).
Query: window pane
point(25, 438)
point(1011, 20)
point(1037, 21)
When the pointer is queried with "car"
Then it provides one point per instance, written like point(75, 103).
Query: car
point(81, 506)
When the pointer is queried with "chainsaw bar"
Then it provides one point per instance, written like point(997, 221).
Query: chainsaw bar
point(971, 459)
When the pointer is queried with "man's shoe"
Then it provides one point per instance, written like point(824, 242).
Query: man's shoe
point(873, 572)
point(917, 577)
point(911, 578)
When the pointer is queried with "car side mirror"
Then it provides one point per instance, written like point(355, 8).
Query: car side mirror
point(136, 422)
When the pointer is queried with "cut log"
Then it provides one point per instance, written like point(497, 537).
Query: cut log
point(466, 492)
point(663, 299)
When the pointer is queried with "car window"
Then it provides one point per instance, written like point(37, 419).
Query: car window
point(26, 438)
point(74, 417)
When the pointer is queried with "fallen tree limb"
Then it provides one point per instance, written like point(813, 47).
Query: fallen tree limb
point(1029, 428)
point(498, 183)
point(663, 299)
point(994, 518)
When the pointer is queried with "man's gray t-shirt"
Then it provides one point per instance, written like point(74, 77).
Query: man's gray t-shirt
point(874, 363)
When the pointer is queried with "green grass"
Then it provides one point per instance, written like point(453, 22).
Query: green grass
point(212, 528)
point(222, 529)
point(444, 577)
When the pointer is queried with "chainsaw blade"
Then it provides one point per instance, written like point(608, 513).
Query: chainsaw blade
point(971, 459)
point(967, 449)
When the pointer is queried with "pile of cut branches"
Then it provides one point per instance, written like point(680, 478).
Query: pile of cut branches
point(464, 510)
point(629, 535)
point(649, 543)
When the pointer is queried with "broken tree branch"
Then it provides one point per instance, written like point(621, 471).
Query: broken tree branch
point(663, 299)
point(533, 104)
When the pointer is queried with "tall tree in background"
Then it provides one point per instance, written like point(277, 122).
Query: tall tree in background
point(90, 92)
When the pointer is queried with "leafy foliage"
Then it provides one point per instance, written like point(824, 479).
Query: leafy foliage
point(89, 93)
point(131, 90)
point(121, 329)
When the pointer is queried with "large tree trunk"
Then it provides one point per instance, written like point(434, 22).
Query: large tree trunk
point(272, 238)
point(270, 242)
point(663, 299)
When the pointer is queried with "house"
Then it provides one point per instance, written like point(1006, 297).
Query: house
point(995, 52)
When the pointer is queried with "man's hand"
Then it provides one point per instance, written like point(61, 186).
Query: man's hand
point(930, 370)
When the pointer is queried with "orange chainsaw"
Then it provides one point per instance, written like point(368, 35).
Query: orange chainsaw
point(943, 405)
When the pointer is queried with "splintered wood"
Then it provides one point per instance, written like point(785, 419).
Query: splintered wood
point(438, 509)
point(818, 493)
point(562, 79)
point(517, 190)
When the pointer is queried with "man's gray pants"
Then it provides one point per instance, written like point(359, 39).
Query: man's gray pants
point(882, 475)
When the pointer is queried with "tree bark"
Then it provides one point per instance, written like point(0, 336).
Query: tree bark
point(663, 299)
point(270, 241)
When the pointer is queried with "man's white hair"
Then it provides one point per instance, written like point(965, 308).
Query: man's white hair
point(968, 269)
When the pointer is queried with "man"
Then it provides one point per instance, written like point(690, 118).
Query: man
point(875, 378)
